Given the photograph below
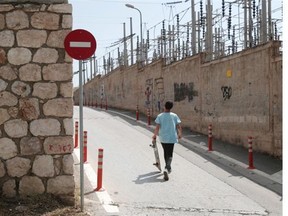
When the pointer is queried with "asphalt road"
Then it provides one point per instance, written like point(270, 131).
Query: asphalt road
point(133, 186)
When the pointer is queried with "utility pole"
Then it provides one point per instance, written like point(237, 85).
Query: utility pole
point(131, 35)
point(193, 32)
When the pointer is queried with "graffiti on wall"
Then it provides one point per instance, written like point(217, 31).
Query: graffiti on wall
point(148, 91)
point(159, 93)
point(226, 92)
point(183, 91)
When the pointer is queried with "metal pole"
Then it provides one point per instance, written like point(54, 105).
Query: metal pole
point(264, 22)
point(141, 38)
point(209, 30)
point(193, 31)
point(245, 24)
point(94, 64)
point(199, 32)
point(141, 34)
point(81, 135)
point(131, 35)
point(125, 45)
point(250, 24)
point(91, 68)
point(270, 32)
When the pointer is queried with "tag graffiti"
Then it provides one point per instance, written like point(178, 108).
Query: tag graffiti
point(183, 90)
point(226, 92)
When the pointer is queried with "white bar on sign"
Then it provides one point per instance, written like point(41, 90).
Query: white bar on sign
point(80, 44)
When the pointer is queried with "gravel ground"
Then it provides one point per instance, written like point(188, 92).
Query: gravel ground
point(38, 206)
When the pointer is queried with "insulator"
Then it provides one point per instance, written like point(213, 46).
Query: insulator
point(159, 46)
point(230, 16)
point(201, 12)
point(179, 48)
point(163, 34)
point(276, 32)
point(223, 8)
point(187, 32)
point(178, 26)
point(178, 22)
point(254, 9)
point(255, 37)
point(138, 45)
point(148, 43)
point(228, 33)
point(203, 31)
point(229, 23)
point(163, 31)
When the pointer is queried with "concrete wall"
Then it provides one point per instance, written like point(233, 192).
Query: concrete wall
point(36, 106)
point(240, 95)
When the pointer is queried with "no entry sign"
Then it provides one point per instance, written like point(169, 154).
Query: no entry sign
point(80, 44)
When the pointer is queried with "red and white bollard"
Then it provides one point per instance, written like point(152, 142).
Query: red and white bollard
point(85, 147)
point(148, 117)
point(210, 138)
point(76, 135)
point(100, 170)
point(250, 153)
point(137, 113)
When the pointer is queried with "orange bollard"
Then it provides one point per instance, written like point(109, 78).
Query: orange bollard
point(250, 153)
point(85, 147)
point(76, 135)
point(100, 170)
point(148, 117)
point(210, 138)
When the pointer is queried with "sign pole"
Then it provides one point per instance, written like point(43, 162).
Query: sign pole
point(81, 135)
point(80, 44)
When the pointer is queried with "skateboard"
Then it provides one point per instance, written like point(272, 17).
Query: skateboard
point(156, 153)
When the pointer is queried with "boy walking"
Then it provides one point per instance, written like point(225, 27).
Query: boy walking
point(169, 130)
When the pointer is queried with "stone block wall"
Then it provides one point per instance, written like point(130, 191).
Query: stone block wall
point(36, 106)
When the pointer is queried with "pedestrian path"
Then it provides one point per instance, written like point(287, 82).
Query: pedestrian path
point(214, 183)
point(267, 172)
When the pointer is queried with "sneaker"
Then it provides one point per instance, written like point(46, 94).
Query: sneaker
point(169, 170)
point(166, 177)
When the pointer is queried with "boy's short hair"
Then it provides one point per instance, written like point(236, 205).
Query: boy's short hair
point(168, 105)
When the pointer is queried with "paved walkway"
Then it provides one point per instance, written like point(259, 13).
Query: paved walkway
point(267, 172)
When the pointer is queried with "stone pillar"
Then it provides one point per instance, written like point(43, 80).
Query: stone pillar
point(36, 106)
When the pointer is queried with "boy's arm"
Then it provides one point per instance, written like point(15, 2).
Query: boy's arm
point(156, 131)
point(179, 131)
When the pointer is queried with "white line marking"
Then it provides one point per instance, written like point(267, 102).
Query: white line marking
point(103, 196)
point(80, 44)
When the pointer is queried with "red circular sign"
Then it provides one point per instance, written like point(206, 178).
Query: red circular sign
point(80, 44)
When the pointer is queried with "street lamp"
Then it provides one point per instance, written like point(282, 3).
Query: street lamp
point(141, 35)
